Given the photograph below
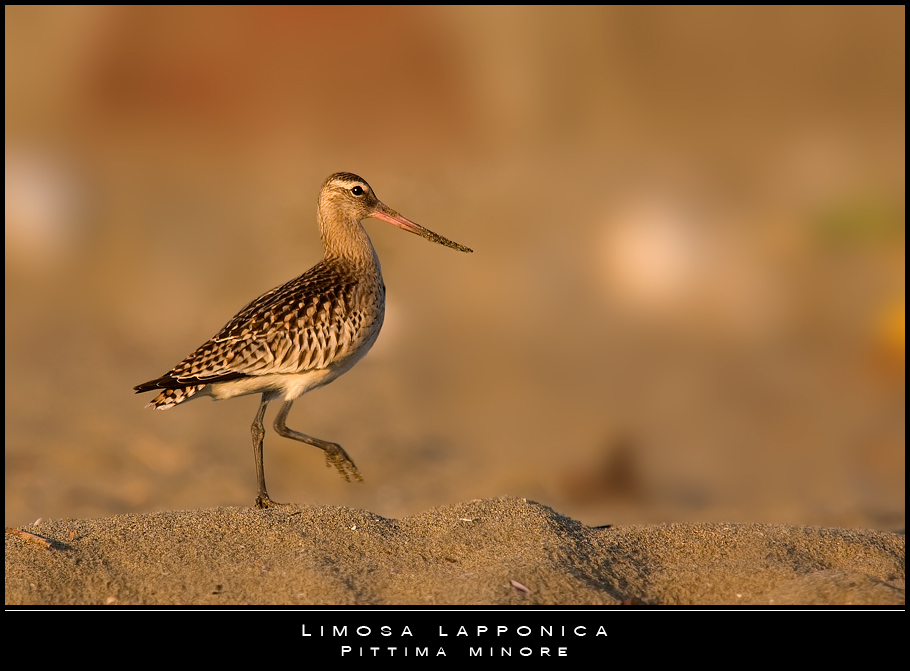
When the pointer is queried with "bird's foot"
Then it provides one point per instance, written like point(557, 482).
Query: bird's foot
point(263, 501)
point(337, 457)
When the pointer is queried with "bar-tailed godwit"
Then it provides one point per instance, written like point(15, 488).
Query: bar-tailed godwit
point(303, 334)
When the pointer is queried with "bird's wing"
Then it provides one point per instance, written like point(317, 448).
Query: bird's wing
point(302, 325)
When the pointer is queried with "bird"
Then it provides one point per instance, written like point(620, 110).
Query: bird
point(303, 334)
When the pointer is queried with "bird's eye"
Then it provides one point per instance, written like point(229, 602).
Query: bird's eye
point(357, 191)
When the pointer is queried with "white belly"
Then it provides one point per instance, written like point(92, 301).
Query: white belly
point(290, 385)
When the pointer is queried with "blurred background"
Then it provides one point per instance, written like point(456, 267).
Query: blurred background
point(685, 304)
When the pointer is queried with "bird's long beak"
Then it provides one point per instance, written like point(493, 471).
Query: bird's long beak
point(391, 216)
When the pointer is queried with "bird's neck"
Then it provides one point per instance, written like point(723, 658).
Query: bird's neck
point(347, 240)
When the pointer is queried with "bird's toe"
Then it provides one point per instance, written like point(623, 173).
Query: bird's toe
point(337, 457)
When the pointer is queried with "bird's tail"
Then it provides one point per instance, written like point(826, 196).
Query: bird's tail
point(169, 397)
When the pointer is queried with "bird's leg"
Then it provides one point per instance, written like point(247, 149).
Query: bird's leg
point(334, 454)
point(262, 500)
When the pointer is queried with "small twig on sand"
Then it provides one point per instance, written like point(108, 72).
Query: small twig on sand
point(40, 540)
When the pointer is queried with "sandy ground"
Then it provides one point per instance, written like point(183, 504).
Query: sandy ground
point(506, 551)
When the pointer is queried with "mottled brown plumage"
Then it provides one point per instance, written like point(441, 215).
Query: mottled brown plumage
point(303, 334)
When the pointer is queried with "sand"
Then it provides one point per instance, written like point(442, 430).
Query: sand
point(506, 551)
